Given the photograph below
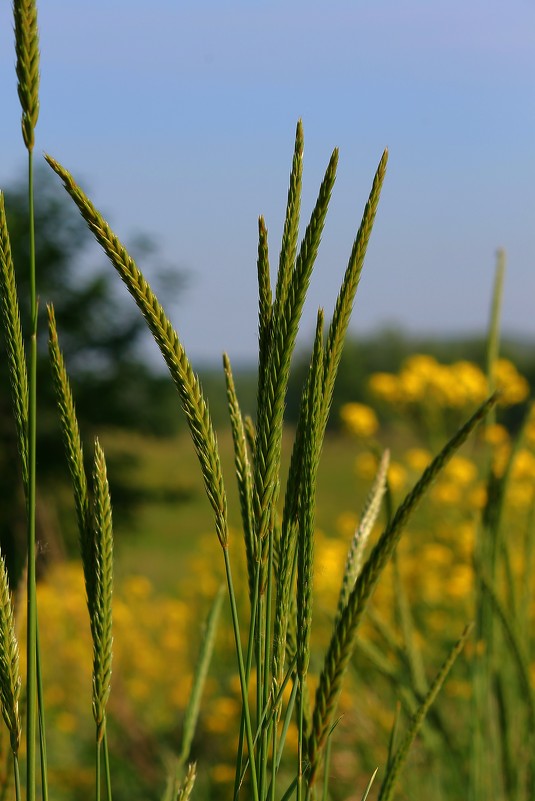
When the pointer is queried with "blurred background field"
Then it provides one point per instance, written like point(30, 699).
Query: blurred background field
point(169, 567)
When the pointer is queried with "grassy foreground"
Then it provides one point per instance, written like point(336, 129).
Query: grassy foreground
point(291, 708)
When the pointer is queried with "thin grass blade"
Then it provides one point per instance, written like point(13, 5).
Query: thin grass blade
point(343, 638)
point(396, 764)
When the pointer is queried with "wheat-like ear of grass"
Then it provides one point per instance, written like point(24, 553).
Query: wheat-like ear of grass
point(186, 788)
point(343, 638)
point(72, 443)
point(27, 51)
point(101, 619)
point(187, 383)
point(286, 315)
point(368, 517)
point(10, 681)
point(16, 358)
point(346, 296)
point(243, 472)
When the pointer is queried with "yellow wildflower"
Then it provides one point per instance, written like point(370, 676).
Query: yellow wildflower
point(417, 458)
point(496, 434)
point(461, 470)
point(397, 476)
point(384, 386)
point(513, 387)
point(359, 419)
point(523, 465)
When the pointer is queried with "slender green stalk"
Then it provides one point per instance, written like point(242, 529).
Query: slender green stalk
point(31, 680)
point(199, 677)
point(242, 674)
point(98, 779)
point(16, 770)
point(107, 772)
point(400, 756)
point(42, 726)
point(27, 51)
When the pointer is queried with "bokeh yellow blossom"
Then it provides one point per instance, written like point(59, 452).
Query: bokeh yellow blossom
point(417, 458)
point(512, 385)
point(496, 434)
point(359, 419)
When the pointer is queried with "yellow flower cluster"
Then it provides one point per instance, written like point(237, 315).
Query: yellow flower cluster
point(424, 380)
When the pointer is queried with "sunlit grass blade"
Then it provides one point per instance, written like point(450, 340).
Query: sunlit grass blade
point(343, 638)
point(187, 383)
point(367, 521)
point(12, 330)
point(396, 763)
point(369, 785)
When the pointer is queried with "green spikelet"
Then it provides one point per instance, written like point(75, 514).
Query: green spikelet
point(360, 538)
point(305, 562)
point(291, 222)
point(101, 619)
point(9, 662)
point(16, 359)
point(264, 303)
point(187, 383)
point(243, 472)
point(186, 788)
point(346, 296)
point(75, 457)
point(27, 50)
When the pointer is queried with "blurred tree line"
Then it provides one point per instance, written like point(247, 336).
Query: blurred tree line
point(101, 335)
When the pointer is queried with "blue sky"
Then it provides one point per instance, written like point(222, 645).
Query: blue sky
point(179, 120)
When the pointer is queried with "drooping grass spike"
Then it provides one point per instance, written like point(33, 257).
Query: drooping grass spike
point(187, 383)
